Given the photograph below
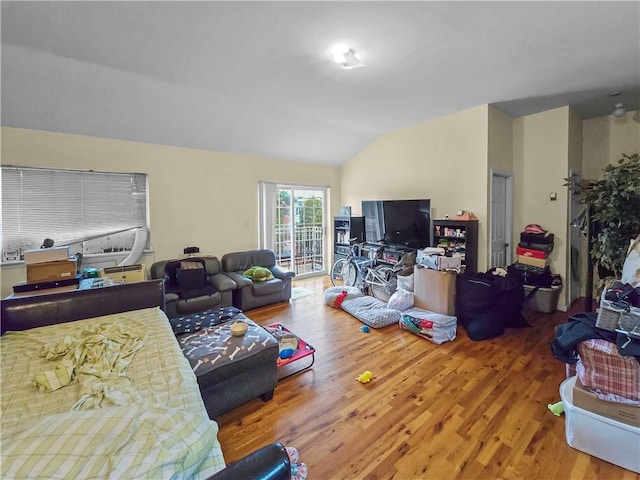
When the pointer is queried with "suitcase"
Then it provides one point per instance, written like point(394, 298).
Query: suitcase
point(539, 238)
point(534, 276)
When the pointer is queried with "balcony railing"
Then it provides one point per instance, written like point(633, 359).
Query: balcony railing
point(308, 254)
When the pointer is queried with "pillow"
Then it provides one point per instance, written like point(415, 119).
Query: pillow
point(331, 294)
point(258, 274)
point(401, 300)
point(372, 311)
point(405, 282)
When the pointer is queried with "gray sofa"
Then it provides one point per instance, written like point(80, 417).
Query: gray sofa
point(249, 294)
point(179, 301)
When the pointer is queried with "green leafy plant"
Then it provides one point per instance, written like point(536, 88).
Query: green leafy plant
point(614, 203)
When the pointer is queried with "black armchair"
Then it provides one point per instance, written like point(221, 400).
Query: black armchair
point(252, 294)
point(185, 293)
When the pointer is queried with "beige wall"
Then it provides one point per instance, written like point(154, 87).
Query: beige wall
point(500, 147)
point(440, 160)
point(605, 139)
point(209, 199)
point(541, 149)
point(197, 197)
point(500, 159)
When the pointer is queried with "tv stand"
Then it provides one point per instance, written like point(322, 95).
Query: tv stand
point(391, 254)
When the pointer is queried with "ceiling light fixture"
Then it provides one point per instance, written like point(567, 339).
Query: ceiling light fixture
point(619, 111)
point(346, 57)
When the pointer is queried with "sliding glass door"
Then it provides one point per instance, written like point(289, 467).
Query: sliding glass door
point(293, 225)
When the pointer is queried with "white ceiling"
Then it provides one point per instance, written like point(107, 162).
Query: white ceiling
point(255, 77)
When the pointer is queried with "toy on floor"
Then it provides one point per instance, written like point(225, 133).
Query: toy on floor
point(556, 408)
point(340, 298)
point(365, 377)
point(287, 342)
point(365, 329)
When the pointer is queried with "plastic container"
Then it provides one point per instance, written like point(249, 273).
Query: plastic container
point(602, 437)
point(544, 300)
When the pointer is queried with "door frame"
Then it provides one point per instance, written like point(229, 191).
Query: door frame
point(267, 204)
point(508, 176)
point(575, 239)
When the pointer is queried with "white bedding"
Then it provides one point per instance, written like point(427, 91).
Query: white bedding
point(167, 434)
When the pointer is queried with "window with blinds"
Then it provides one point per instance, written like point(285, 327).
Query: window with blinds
point(94, 212)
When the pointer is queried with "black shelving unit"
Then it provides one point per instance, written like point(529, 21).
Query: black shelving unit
point(345, 228)
point(460, 236)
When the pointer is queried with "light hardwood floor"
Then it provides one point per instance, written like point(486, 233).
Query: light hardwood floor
point(463, 409)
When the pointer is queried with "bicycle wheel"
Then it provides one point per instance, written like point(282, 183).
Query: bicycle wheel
point(343, 273)
point(384, 282)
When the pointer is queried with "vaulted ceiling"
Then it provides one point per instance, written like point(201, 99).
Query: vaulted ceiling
point(256, 77)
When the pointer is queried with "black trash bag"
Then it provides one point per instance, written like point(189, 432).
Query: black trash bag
point(510, 296)
point(477, 306)
point(485, 326)
point(487, 303)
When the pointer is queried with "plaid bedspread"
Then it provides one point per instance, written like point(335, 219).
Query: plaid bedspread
point(608, 374)
point(166, 434)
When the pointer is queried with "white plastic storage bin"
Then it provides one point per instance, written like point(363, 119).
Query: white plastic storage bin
point(544, 300)
point(602, 437)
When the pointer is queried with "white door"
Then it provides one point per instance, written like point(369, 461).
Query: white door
point(293, 225)
point(500, 219)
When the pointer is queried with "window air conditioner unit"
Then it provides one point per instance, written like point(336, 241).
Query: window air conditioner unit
point(125, 274)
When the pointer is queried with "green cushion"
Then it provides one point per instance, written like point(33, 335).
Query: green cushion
point(258, 274)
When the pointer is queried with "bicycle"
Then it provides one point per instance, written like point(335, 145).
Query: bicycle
point(364, 272)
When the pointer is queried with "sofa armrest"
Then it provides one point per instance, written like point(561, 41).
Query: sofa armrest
point(222, 282)
point(239, 279)
point(281, 274)
point(270, 462)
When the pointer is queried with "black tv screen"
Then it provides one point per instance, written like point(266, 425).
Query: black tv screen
point(404, 223)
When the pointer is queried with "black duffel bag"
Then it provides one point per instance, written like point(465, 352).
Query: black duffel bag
point(533, 276)
point(510, 295)
point(474, 295)
point(538, 238)
point(487, 303)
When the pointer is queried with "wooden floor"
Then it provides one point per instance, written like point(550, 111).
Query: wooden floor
point(464, 409)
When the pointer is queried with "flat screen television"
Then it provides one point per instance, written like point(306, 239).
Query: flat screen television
point(404, 223)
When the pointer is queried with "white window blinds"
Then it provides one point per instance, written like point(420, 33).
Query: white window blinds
point(68, 206)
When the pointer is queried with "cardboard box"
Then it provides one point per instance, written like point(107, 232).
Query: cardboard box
point(439, 262)
point(536, 262)
point(43, 255)
point(48, 271)
point(531, 252)
point(434, 290)
point(584, 398)
point(125, 274)
point(606, 438)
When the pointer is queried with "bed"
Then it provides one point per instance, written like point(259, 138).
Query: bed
point(94, 385)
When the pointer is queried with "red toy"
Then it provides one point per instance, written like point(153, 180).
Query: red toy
point(340, 298)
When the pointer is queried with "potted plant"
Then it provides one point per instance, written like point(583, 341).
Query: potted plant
point(612, 213)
